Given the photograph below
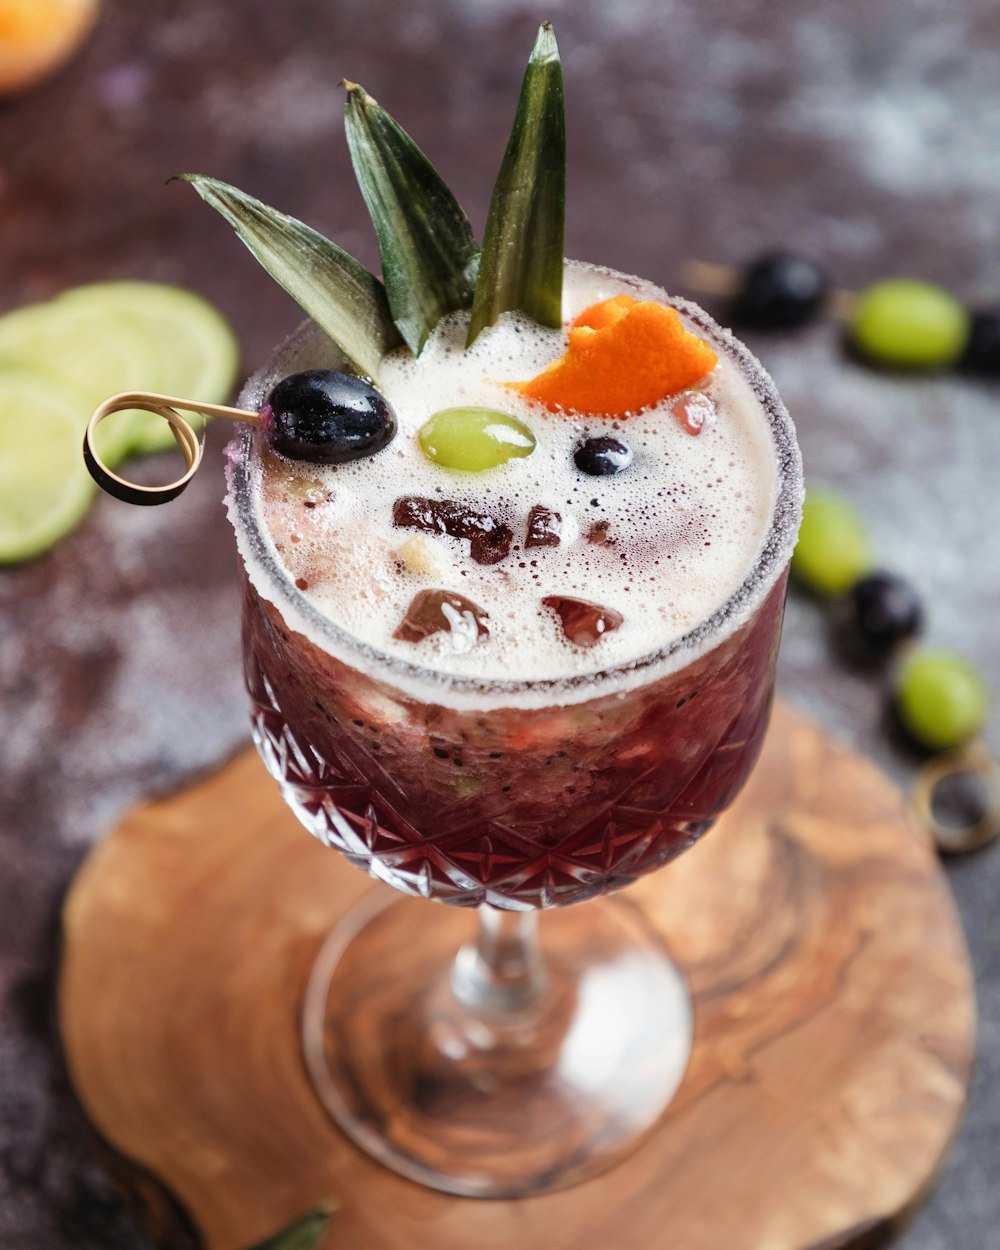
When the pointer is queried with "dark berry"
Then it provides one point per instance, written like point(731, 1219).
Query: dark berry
point(886, 610)
point(982, 349)
point(602, 456)
point(327, 417)
point(779, 291)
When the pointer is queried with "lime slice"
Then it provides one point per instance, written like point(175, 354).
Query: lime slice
point(195, 351)
point(44, 487)
point(95, 353)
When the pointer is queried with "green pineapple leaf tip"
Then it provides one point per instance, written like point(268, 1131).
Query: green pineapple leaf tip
point(340, 295)
point(521, 267)
point(431, 263)
point(429, 253)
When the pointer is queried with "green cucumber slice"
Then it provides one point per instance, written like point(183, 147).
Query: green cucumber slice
point(44, 486)
point(192, 347)
point(95, 353)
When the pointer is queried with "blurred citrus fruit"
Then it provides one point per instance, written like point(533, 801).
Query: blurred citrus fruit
point(37, 36)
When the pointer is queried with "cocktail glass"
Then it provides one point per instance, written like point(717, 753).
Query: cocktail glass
point(469, 1047)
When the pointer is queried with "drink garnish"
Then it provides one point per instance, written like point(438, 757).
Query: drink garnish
point(583, 623)
point(780, 291)
point(605, 313)
point(473, 439)
point(190, 440)
point(938, 698)
point(521, 267)
point(490, 540)
point(621, 359)
point(429, 254)
point(885, 611)
point(340, 295)
point(444, 611)
point(430, 262)
point(602, 456)
point(327, 417)
point(909, 324)
point(899, 323)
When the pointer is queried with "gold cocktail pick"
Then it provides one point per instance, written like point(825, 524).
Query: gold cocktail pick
point(189, 440)
point(971, 761)
point(708, 278)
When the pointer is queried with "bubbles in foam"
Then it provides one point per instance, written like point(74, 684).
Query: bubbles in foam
point(679, 529)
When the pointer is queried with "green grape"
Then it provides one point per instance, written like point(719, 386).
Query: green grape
point(833, 550)
point(909, 324)
point(474, 439)
point(941, 699)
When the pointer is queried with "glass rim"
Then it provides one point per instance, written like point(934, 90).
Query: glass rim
point(772, 558)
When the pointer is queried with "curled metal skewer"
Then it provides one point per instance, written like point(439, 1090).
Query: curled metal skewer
point(189, 440)
point(972, 762)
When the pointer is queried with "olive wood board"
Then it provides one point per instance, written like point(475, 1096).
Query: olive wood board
point(834, 1024)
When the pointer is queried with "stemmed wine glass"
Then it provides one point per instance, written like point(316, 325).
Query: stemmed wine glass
point(479, 1048)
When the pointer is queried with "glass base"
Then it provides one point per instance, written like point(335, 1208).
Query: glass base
point(504, 1089)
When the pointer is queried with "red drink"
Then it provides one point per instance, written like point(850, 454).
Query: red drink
point(519, 807)
point(510, 687)
point(496, 791)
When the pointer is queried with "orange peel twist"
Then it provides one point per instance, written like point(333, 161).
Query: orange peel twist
point(623, 355)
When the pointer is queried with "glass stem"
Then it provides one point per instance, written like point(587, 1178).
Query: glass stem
point(501, 975)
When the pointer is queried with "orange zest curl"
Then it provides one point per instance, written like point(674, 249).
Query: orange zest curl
point(606, 313)
point(623, 356)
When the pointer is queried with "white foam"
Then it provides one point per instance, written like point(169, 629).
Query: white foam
point(689, 518)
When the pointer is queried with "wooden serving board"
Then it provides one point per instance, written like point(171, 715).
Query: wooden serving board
point(834, 1033)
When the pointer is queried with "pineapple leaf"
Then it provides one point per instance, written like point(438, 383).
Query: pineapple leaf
point(303, 1233)
point(340, 295)
point(522, 262)
point(429, 253)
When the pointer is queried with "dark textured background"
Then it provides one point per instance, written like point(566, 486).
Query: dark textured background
point(863, 133)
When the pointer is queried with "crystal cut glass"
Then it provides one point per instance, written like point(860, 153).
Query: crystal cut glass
point(486, 1048)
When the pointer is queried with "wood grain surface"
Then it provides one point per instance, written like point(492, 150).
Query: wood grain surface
point(834, 1031)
